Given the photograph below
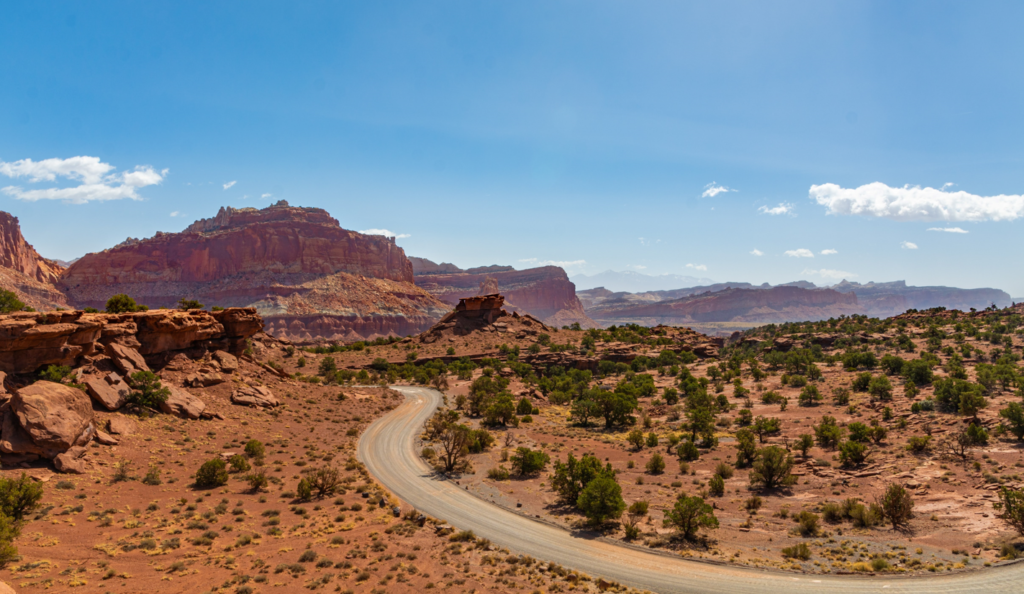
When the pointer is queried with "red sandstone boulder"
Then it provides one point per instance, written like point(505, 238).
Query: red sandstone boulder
point(182, 404)
point(228, 362)
point(121, 425)
point(110, 391)
point(54, 416)
point(126, 359)
point(71, 462)
point(255, 396)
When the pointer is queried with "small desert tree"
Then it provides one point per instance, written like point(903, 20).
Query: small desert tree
point(454, 442)
point(526, 461)
point(187, 304)
point(1014, 415)
point(9, 302)
point(896, 506)
point(637, 510)
point(569, 479)
point(147, 391)
point(122, 303)
point(772, 469)
point(689, 515)
point(601, 500)
point(1011, 508)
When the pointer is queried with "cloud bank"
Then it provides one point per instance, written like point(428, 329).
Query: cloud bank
point(96, 180)
point(711, 190)
point(914, 203)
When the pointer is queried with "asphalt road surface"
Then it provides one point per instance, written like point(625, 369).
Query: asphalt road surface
point(388, 450)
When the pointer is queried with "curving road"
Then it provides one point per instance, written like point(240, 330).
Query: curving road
point(388, 450)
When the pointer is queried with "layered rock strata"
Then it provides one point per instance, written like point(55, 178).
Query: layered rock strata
point(544, 292)
point(309, 278)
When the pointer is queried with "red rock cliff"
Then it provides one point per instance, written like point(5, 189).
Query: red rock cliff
point(306, 276)
point(544, 292)
point(24, 271)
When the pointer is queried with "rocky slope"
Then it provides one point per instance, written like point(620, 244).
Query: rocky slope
point(761, 306)
point(309, 278)
point(544, 292)
point(24, 271)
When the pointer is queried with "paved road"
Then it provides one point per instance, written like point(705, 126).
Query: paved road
point(388, 450)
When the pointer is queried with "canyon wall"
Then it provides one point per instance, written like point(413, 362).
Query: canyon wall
point(22, 270)
point(544, 292)
point(309, 278)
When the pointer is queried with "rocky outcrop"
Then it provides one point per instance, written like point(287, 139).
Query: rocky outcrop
point(30, 341)
point(22, 270)
point(309, 278)
point(483, 314)
point(757, 306)
point(543, 292)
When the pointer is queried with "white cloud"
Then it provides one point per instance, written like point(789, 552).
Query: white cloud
point(229, 184)
point(948, 229)
point(800, 253)
point(175, 213)
point(756, 252)
point(908, 245)
point(97, 182)
point(385, 233)
point(266, 195)
point(914, 203)
point(700, 267)
point(711, 190)
point(828, 273)
point(947, 186)
point(781, 209)
point(829, 252)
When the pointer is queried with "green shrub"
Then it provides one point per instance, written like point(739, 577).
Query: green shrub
point(187, 304)
point(798, 551)
point(716, 486)
point(147, 391)
point(9, 302)
point(122, 303)
point(255, 450)
point(238, 463)
point(304, 491)
point(656, 465)
point(19, 496)
point(808, 523)
point(213, 473)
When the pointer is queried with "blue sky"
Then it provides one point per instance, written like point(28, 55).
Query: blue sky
point(519, 133)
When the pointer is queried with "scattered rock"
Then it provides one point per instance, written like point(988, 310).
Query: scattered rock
point(111, 392)
point(228, 362)
point(182, 404)
point(105, 438)
point(203, 380)
point(121, 425)
point(70, 462)
point(256, 396)
point(126, 359)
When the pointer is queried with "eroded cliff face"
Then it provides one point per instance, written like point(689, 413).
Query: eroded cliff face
point(760, 306)
point(24, 271)
point(308, 277)
point(544, 292)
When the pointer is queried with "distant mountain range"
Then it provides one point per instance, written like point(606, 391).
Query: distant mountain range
point(636, 282)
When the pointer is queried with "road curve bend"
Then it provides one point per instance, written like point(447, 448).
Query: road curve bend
point(387, 448)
